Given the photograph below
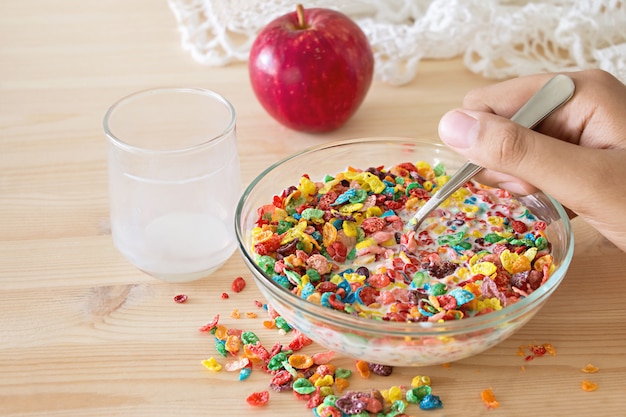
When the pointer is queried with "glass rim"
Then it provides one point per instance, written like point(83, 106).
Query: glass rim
point(114, 139)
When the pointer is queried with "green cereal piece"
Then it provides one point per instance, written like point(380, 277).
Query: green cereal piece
point(313, 275)
point(541, 243)
point(351, 255)
point(282, 324)
point(303, 386)
point(311, 213)
point(343, 373)
point(276, 362)
point(330, 400)
point(439, 169)
point(266, 263)
point(220, 346)
point(249, 338)
point(283, 226)
point(415, 395)
point(398, 406)
point(293, 276)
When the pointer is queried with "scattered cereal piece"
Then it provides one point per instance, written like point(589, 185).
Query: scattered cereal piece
point(258, 398)
point(235, 314)
point(211, 325)
point(238, 284)
point(251, 315)
point(224, 295)
point(180, 298)
point(588, 386)
point(212, 364)
point(489, 398)
point(363, 368)
point(590, 369)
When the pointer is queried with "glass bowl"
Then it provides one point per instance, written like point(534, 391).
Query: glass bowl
point(387, 342)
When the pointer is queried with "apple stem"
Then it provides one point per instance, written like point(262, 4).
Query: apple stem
point(300, 14)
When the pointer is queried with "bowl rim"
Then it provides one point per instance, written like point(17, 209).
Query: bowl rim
point(368, 325)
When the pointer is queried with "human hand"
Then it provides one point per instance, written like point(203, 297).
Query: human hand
point(577, 155)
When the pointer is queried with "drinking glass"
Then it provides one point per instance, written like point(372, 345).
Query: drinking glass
point(174, 181)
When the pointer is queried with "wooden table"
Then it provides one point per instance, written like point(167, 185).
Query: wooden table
point(83, 333)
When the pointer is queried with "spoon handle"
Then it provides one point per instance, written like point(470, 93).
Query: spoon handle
point(558, 90)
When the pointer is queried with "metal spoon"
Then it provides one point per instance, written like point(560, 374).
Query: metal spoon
point(556, 92)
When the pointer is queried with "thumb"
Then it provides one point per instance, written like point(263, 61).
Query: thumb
point(516, 158)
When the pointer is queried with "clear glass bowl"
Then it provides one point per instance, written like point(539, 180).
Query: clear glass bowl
point(392, 343)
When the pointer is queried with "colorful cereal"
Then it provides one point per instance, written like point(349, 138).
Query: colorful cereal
point(341, 243)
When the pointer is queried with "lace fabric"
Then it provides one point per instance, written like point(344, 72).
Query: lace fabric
point(496, 38)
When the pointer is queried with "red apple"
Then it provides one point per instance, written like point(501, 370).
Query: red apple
point(311, 69)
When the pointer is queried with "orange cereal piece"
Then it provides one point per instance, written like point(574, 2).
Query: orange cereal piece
point(549, 349)
point(251, 315)
point(341, 384)
point(233, 344)
point(363, 368)
point(300, 361)
point(235, 314)
point(221, 332)
point(588, 386)
point(489, 398)
point(590, 369)
point(269, 324)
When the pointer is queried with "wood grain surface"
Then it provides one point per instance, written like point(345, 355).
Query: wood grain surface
point(83, 333)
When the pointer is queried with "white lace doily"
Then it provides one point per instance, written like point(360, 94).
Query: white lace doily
point(497, 38)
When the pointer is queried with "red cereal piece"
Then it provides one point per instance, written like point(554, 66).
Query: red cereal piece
point(519, 227)
point(258, 398)
point(238, 284)
point(268, 246)
point(224, 295)
point(373, 224)
point(210, 325)
point(180, 298)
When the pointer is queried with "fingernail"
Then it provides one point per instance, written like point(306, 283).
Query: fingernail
point(458, 129)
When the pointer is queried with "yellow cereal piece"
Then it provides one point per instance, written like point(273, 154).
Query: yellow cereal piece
point(261, 236)
point(442, 180)
point(354, 277)
point(326, 391)
point(365, 243)
point(460, 194)
point(484, 268)
point(420, 380)
point(212, 364)
point(513, 262)
point(463, 273)
point(425, 170)
point(349, 228)
point(428, 185)
point(307, 187)
point(495, 220)
point(543, 261)
point(329, 234)
point(350, 208)
point(325, 381)
point(373, 212)
point(469, 209)
point(530, 253)
point(295, 232)
point(411, 202)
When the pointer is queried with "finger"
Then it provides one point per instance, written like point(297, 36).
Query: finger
point(507, 148)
